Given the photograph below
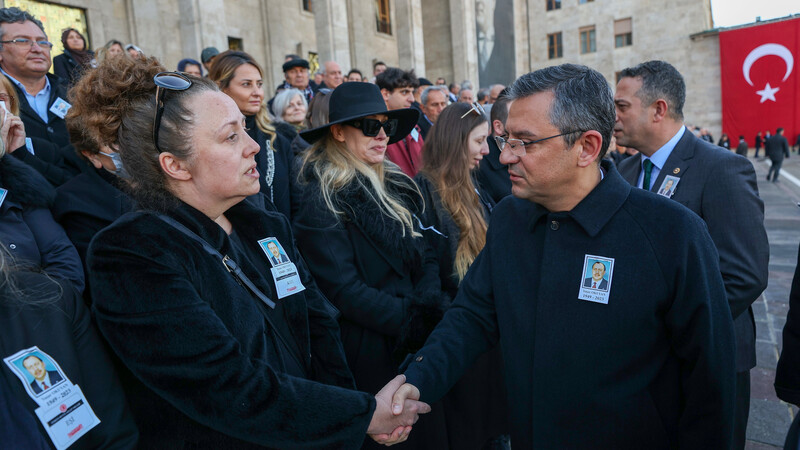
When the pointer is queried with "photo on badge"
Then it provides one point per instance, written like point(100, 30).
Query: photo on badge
point(274, 251)
point(37, 371)
point(668, 186)
point(596, 278)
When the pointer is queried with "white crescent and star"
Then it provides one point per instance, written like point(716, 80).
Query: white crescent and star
point(768, 93)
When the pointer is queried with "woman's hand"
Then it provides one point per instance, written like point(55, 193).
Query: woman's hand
point(12, 132)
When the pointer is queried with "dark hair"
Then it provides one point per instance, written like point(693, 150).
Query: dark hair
point(352, 71)
point(186, 61)
point(482, 94)
point(500, 109)
point(16, 15)
point(82, 56)
point(659, 81)
point(116, 103)
point(65, 35)
point(583, 100)
point(80, 138)
point(317, 114)
point(779, 130)
point(393, 78)
point(378, 63)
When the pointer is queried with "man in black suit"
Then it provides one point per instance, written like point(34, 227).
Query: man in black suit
point(42, 379)
point(25, 60)
point(717, 185)
point(776, 148)
point(741, 149)
point(492, 174)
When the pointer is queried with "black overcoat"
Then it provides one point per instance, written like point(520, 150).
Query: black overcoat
point(206, 366)
point(280, 191)
point(386, 286)
point(787, 375)
point(55, 129)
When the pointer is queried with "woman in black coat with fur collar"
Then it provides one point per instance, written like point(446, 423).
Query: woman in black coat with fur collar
point(358, 230)
point(226, 339)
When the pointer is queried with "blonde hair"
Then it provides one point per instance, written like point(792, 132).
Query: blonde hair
point(13, 105)
point(335, 166)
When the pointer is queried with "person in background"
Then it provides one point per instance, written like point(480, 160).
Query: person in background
point(213, 358)
point(290, 109)
point(55, 163)
point(134, 51)
point(239, 76)
point(207, 57)
point(377, 68)
point(113, 48)
point(332, 76)
point(190, 67)
point(724, 142)
point(741, 149)
point(355, 75)
point(458, 210)
point(76, 58)
point(432, 101)
point(787, 373)
point(37, 311)
point(465, 96)
point(397, 88)
point(776, 148)
point(492, 174)
point(357, 231)
point(319, 77)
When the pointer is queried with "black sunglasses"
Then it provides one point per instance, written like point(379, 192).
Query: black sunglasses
point(371, 127)
point(166, 81)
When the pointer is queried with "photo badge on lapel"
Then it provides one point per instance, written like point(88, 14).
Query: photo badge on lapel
point(63, 409)
point(284, 272)
point(596, 278)
point(60, 107)
point(668, 186)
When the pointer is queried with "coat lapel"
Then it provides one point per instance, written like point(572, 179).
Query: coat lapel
point(678, 162)
point(630, 168)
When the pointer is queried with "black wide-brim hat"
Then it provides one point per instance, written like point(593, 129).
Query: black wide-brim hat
point(355, 100)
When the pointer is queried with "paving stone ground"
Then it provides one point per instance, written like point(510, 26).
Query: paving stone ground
point(769, 417)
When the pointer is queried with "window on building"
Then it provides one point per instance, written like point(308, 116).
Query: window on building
point(553, 4)
point(588, 41)
point(554, 48)
point(383, 16)
point(623, 33)
point(307, 6)
point(235, 43)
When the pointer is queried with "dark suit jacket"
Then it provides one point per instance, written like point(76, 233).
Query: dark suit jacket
point(55, 130)
point(721, 188)
point(776, 148)
point(279, 260)
point(492, 175)
point(587, 282)
point(741, 149)
point(55, 377)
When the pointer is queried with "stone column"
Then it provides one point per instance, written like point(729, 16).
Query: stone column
point(333, 34)
point(410, 45)
point(464, 42)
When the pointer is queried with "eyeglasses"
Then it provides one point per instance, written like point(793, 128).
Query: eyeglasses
point(371, 127)
point(477, 108)
point(22, 42)
point(518, 146)
point(166, 81)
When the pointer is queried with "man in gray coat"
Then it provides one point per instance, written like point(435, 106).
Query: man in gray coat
point(776, 148)
point(717, 185)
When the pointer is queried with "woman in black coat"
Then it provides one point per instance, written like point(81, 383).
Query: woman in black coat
point(238, 75)
point(356, 228)
point(223, 347)
point(43, 320)
point(456, 216)
point(76, 59)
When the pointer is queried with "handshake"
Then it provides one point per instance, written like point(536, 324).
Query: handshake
point(397, 409)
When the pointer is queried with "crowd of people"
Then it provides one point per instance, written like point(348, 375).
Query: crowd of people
point(192, 260)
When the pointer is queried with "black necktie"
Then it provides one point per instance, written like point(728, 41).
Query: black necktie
point(648, 169)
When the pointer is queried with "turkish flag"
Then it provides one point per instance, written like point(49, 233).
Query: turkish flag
point(759, 68)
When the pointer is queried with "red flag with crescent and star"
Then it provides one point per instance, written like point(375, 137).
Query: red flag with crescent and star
point(760, 80)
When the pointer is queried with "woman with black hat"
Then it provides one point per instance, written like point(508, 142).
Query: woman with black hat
point(358, 230)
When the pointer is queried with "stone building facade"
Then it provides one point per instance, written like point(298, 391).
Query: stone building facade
point(481, 40)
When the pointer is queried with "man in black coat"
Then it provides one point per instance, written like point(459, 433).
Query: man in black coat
point(25, 60)
point(647, 363)
point(776, 148)
point(741, 149)
point(717, 185)
point(492, 174)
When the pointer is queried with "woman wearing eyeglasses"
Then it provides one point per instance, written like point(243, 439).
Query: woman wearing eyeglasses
point(227, 341)
point(357, 228)
point(455, 220)
point(239, 76)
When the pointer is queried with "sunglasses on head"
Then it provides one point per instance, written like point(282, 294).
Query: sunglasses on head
point(166, 81)
point(371, 127)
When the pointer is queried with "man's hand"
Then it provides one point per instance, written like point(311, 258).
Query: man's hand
point(401, 396)
point(388, 427)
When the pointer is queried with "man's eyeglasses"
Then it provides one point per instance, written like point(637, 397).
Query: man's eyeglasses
point(21, 42)
point(518, 146)
point(371, 127)
point(477, 108)
point(166, 81)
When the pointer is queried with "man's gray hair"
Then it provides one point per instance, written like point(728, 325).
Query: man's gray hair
point(16, 15)
point(427, 92)
point(466, 84)
point(660, 80)
point(583, 100)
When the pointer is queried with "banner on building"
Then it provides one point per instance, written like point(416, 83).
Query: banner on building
point(760, 80)
point(494, 22)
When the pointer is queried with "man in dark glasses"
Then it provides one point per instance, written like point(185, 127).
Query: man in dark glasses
point(397, 87)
